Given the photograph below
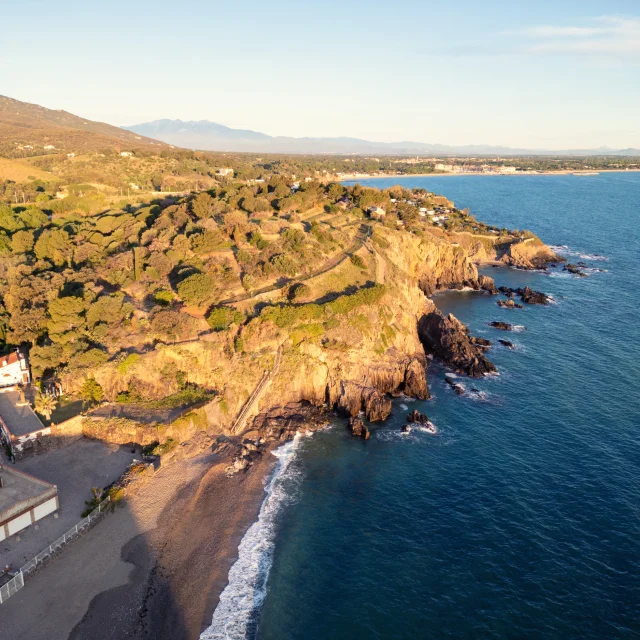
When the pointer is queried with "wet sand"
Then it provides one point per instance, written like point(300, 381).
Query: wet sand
point(155, 568)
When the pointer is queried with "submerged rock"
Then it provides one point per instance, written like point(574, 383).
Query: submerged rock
point(458, 388)
point(575, 269)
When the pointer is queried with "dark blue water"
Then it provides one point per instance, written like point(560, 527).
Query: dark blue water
point(522, 518)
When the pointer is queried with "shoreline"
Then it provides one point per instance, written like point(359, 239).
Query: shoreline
point(155, 568)
point(353, 177)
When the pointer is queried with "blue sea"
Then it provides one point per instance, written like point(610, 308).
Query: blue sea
point(521, 519)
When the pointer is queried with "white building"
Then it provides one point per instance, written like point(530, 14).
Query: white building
point(14, 369)
point(23, 501)
point(126, 154)
point(377, 212)
point(225, 171)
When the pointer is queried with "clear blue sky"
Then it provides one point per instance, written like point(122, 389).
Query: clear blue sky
point(561, 74)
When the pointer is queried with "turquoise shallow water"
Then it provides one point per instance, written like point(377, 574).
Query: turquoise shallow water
point(522, 518)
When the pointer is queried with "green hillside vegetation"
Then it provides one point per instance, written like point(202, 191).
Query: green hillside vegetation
point(87, 285)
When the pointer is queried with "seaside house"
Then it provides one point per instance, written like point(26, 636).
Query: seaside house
point(343, 203)
point(14, 369)
point(377, 212)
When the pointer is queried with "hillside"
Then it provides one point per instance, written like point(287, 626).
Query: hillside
point(211, 136)
point(20, 171)
point(191, 298)
point(25, 129)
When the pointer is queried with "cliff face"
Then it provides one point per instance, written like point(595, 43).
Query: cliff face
point(376, 351)
point(524, 253)
point(352, 350)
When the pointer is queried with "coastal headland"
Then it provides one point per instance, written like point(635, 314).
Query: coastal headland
point(355, 329)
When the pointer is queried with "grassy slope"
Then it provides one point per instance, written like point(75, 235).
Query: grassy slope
point(19, 171)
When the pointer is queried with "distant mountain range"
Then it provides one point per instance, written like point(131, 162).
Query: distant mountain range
point(211, 136)
point(24, 126)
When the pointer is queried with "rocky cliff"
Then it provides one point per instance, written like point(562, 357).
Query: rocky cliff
point(351, 350)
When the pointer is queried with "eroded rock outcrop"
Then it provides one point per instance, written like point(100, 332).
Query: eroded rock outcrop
point(358, 428)
point(449, 341)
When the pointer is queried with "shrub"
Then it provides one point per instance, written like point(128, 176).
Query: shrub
point(297, 291)
point(196, 289)
point(358, 262)
point(128, 363)
point(221, 318)
point(91, 391)
point(163, 297)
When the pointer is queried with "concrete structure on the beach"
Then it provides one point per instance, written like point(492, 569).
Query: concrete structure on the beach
point(23, 501)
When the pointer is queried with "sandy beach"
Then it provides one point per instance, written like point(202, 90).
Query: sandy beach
point(152, 569)
point(363, 176)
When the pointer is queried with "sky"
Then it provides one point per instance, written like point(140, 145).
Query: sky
point(554, 75)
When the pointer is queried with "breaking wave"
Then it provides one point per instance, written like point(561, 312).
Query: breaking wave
point(564, 250)
point(237, 613)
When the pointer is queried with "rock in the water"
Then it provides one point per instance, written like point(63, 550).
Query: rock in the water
point(509, 304)
point(507, 343)
point(358, 428)
point(487, 284)
point(530, 296)
point(526, 294)
point(417, 417)
point(505, 326)
point(406, 428)
point(483, 343)
point(575, 269)
point(458, 388)
point(448, 339)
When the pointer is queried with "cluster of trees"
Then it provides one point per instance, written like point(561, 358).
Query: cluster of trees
point(82, 287)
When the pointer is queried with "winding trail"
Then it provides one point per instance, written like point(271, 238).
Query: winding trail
point(364, 233)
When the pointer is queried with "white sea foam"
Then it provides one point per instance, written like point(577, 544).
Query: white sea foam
point(564, 250)
point(518, 328)
point(404, 407)
point(593, 256)
point(235, 617)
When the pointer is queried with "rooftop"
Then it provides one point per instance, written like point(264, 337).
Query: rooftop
point(20, 420)
point(20, 490)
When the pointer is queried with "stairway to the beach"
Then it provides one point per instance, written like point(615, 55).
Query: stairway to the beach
point(256, 394)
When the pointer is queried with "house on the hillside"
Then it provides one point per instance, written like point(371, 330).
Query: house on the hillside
point(377, 212)
point(224, 171)
point(126, 154)
point(71, 155)
point(343, 203)
point(14, 369)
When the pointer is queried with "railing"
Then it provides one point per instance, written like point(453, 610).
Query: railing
point(17, 582)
